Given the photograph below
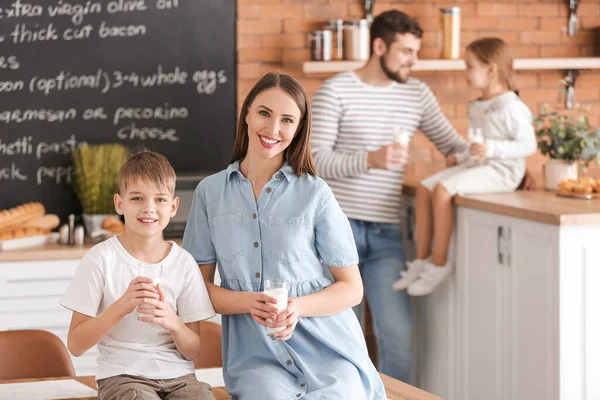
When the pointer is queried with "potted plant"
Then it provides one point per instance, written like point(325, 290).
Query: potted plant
point(96, 171)
point(566, 140)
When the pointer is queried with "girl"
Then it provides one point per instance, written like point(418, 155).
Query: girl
point(496, 164)
point(267, 216)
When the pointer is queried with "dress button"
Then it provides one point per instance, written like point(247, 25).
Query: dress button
point(288, 362)
point(257, 275)
point(268, 190)
point(302, 384)
point(255, 244)
point(299, 394)
point(277, 176)
point(254, 216)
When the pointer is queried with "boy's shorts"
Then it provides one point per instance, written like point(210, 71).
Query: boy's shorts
point(128, 387)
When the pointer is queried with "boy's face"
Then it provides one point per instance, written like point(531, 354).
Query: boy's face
point(146, 208)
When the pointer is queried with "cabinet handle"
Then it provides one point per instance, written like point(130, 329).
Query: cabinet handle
point(508, 246)
point(499, 244)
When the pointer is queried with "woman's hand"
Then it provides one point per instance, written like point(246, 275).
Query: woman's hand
point(479, 150)
point(289, 319)
point(261, 307)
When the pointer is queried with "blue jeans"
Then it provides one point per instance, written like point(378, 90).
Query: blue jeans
point(381, 255)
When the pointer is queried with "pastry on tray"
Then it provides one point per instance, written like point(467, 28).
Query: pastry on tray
point(582, 186)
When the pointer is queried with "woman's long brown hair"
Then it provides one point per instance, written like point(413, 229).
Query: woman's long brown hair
point(298, 153)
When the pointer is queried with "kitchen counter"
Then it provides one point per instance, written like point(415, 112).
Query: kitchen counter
point(534, 205)
point(53, 251)
point(539, 205)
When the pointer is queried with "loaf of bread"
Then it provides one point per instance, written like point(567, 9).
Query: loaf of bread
point(47, 221)
point(113, 224)
point(19, 233)
point(17, 216)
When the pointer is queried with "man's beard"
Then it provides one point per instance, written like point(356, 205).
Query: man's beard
point(395, 76)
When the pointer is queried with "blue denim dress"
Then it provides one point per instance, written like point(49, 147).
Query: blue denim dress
point(294, 231)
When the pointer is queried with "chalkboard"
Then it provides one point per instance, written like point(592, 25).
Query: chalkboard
point(157, 73)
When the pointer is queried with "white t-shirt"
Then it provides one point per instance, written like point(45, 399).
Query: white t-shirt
point(133, 347)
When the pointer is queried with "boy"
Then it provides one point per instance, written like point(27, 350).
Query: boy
point(147, 355)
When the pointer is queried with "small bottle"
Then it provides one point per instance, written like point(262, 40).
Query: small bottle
point(63, 234)
point(78, 235)
point(71, 228)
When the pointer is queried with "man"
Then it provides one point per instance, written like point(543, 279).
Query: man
point(355, 118)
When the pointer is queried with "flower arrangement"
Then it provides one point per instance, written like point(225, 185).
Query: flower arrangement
point(567, 138)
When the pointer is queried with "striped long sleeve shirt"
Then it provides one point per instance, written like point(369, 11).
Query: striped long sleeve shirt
point(351, 118)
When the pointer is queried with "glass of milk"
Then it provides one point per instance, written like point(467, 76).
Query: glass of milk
point(475, 136)
point(401, 136)
point(154, 272)
point(277, 289)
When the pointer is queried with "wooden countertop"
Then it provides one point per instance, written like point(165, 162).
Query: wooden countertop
point(538, 205)
point(534, 205)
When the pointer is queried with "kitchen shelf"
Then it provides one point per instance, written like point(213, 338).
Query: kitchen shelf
point(575, 63)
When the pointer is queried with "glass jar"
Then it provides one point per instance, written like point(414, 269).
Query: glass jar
point(450, 27)
point(336, 27)
point(356, 40)
point(320, 45)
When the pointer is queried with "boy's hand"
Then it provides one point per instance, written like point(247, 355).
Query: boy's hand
point(139, 289)
point(163, 313)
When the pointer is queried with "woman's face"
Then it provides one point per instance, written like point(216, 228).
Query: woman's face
point(272, 119)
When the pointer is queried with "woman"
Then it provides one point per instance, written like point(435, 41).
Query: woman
point(267, 216)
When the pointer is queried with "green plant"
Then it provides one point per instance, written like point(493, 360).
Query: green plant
point(96, 171)
point(568, 138)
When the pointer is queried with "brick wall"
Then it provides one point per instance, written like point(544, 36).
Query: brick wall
point(273, 36)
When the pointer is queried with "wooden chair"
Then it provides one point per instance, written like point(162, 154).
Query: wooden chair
point(210, 336)
point(33, 354)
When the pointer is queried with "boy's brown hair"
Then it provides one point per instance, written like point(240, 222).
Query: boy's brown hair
point(151, 167)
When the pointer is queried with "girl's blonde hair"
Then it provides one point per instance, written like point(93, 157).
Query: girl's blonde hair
point(495, 51)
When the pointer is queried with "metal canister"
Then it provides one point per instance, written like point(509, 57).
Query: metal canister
point(357, 40)
point(336, 27)
point(320, 45)
point(450, 26)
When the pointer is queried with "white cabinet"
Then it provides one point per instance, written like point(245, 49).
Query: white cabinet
point(29, 296)
point(521, 313)
point(507, 307)
point(480, 322)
